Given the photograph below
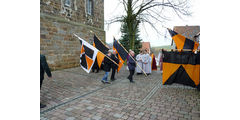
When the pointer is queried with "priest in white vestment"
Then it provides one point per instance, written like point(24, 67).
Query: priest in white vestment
point(146, 58)
point(140, 63)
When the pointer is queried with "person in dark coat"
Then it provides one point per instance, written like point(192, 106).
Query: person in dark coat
point(43, 68)
point(131, 65)
point(107, 67)
point(114, 66)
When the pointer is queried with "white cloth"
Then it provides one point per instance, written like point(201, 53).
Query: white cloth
point(140, 63)
point(150, 64)
point(146, 63)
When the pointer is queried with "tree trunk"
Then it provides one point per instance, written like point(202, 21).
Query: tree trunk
point(131, 35)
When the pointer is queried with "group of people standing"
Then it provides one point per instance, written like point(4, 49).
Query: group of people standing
point(144, 60)
point(108, 65)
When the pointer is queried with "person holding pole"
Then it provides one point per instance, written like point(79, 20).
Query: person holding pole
point(114, 66)
point(131, 65)
point(107, 67)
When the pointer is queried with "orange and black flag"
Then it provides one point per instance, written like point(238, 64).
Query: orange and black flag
point(181, 67)
point(101, 47)
point(183, 42)
point(88, 55)
point(121, 53)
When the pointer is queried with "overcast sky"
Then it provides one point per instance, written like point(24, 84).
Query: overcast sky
point(112, 8)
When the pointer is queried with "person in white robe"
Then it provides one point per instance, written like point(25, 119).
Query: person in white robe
point(150, 64)
point(146, 58)
point(140, 63)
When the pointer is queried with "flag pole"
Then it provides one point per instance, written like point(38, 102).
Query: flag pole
point(102, 53)
point(99, 39)
point(131, 57)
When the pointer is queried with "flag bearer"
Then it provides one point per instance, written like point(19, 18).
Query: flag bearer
point(131, 65)
point(114, 66)
point(107, 67)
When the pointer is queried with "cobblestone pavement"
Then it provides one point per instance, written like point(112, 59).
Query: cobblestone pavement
point(75, 95)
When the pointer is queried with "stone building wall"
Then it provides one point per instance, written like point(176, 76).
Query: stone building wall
point(58, 22)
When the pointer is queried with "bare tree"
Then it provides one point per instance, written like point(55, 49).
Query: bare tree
point(149, 12)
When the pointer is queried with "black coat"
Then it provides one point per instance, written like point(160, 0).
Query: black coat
point(107, 64)
point(131, 63)
point(114, 58)
point(44, 67)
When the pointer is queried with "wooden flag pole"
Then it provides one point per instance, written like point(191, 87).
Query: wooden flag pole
point(132, 58)
point(103, 54)
point(99, 39)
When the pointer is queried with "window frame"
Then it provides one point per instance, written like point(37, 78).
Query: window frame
point(89, 7)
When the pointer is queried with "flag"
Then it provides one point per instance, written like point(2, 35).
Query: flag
point(88, 55)
point(183, 42)
point(181, 67)
point(101, 47)
point(121, 53)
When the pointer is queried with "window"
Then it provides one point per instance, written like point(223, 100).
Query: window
point(67, 3)
point(89, 7)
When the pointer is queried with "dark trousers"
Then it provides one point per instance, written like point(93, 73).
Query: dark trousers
point(93, 69)
point(131, 74)
point(113, 73)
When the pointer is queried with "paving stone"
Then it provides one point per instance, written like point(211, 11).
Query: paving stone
point(43, 118)
point(96, 117)
point(90, 107)
point(69, 109)
point(182, 119)
point(86, 101)
point(153, 116)
point(117, 115)
point(125, 117)
point(141, 114)
point(70, 118)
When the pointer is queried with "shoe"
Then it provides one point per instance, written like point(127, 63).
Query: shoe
point(108, 82)
point(113, 79)
point(132, 81)
point(102, 81)
point(42, 105)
